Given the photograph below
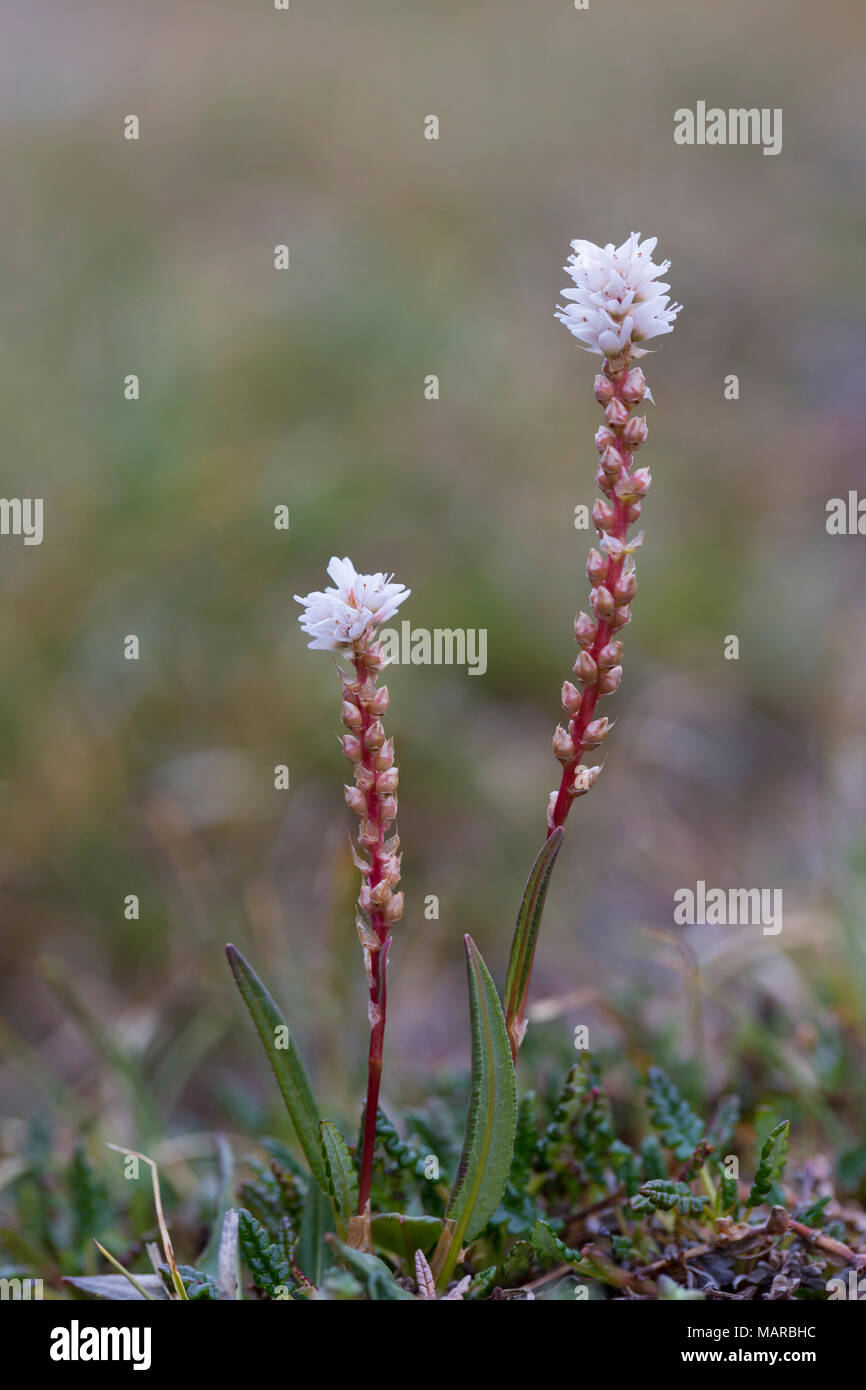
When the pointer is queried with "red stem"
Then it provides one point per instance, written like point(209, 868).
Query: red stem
point(378, 1001)
point(376, 968)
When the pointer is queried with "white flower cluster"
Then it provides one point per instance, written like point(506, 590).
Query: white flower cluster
point(618, 300)
point(339, 617)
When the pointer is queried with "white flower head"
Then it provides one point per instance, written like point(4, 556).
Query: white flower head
point(618, 300)
point(341, 616)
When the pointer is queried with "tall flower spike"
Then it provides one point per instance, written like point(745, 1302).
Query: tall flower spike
point(617, 303)
point(346, 618)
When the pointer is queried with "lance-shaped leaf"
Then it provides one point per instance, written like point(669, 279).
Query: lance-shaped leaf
point(342, 1177)
point(285, 1061)
point(525, 938)
point(491, 1115)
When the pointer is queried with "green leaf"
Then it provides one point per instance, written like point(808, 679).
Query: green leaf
point(286, 1062)
point(491, 1115)
point(403, 1235)
point(525, 938)
point(88, 1200)
point(342, 1177)
point(316, 1222)
point(723, 1124)
point(200, 1287)
point(549, 1249)
point(266, 1261)
point(208, 1260)
point(680, 1128)
point(374, 1275)
point(667, 1193)
point(771, 1166)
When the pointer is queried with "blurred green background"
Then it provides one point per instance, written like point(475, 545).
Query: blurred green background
point(306, 388)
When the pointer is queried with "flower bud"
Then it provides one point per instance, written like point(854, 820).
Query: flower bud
point(368, 833)
point(366, 693)
point(355, 800)
point(610, 655)
point(374, 736)
point(635, 431)
point(351, 748)
point(380, 701)
point(615, 413)
point(585, 779)
point(596, 566)
point(585, 629)
point(385, 756)
point(380, 893)
point(641, 479)
point(386, 782)
point(365, 778)
point(563, 748)
point(604, 438)
point(571, 697)
point(394, 910)
point(608, 681)
point(603, 605)
point(391, 869)
point(585, 669)
point(596, 732)
point(351, 716)
point(603, 389)
point(633, 512)
point(634, 386)
point(387, 808)
point(603, 515)
point(611, 462)
point(613, 547)
point(604, 483)
point(622, 617)
point(626, 587)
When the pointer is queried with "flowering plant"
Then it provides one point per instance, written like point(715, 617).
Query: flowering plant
point(543, 1197)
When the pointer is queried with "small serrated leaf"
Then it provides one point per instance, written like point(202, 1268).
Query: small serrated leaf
point(771, 1166)
point(342, 1177)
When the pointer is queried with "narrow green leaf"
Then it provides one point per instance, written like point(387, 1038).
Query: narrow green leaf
point(526, 936)
point(774, 1156)
point(342, 1177)
point(208, 1260)
point(285, 1061)
point(316, 1222)
point(491, 1115)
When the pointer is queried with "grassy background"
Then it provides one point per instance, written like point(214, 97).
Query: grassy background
point(411, 257)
